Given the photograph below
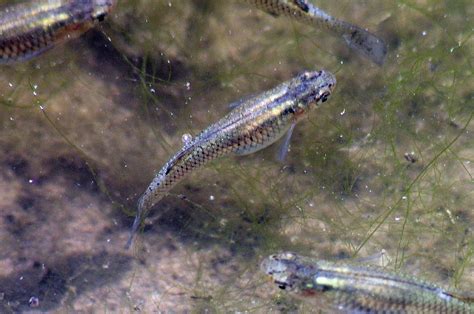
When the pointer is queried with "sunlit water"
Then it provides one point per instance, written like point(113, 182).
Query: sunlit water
point(386, 164)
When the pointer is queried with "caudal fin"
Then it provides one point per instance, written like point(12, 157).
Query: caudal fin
point(133, 231)
point(366, 44)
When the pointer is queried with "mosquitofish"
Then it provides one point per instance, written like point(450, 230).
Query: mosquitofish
point(360, 40)
point(252, 125)
point(29, 29)
point(347, 288)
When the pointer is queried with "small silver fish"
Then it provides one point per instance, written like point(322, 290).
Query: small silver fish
point(254, 124)
point(363, 42)
point(29, 29)
point(350, 288)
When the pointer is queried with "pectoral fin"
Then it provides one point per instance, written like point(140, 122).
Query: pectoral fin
point(285, 145)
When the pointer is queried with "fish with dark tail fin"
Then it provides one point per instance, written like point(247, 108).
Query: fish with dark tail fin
point(254, 124)
point(29, 29)
point(360, 40)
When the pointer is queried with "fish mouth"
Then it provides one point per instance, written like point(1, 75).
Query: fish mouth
point(330, 79)
point(276, 265)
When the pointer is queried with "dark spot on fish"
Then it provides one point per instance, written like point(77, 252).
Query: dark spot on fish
point(101, 17)
point(302, 5)
point(324, 288)
point(324, 97)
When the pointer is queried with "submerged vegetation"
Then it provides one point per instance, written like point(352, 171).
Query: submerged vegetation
point(386, 165)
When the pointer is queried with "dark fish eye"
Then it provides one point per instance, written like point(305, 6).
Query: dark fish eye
point(324, 97)
point(101, 17)
point(282, 286)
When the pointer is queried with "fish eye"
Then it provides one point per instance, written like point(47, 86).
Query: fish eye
point(324, 97)
point(101, 17)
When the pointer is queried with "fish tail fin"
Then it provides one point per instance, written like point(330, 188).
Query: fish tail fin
point(133, 231)
point(366, 44)
point(136, 223)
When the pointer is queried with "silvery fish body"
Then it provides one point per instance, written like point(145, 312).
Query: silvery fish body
point(350, 288)
point(254, 124)
point(30, 28)
point(362, 41)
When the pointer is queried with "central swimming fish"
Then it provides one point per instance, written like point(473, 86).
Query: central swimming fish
point(28, 29)
point(349, 288)
point(363, 42)
point(254, 124)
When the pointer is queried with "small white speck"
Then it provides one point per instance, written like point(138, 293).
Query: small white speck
point(343, 112)
point(30, 181)
point(211, 198)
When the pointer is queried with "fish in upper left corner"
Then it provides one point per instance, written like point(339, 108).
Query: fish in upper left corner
point(30, 28)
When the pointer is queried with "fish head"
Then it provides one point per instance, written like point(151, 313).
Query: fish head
point(289, 271)
point(310, 89)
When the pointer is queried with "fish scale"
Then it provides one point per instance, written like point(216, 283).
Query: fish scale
point(253, 125)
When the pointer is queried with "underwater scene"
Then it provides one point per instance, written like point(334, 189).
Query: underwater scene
point(240, 156)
